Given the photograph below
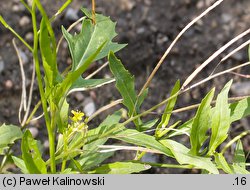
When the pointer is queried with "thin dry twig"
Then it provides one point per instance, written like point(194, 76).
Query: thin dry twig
point(68, 30)
point(112, 148)
point(175, 41)
point(97, 71)
point(215, 75)
point(230, 54)
point(23, 103)
point(212, 57)
point(104, 108)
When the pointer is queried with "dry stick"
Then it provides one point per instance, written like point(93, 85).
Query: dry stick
point(104, 108)
point(175, 41)
point(212, 57)
point(97, 71)
point(30, 96)
point(93, 12)
point(215, 75)
point(241, 75)
point(112, 148)
point(68, 30)
point(230, 54)
point(23, 104)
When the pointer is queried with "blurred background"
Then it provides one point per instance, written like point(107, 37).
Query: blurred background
point(148, 27)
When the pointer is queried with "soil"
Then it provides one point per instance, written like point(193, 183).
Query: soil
point(148, 27)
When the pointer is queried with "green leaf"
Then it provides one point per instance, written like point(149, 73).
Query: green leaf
point(87, 84)
point(140, 139)
point(148, 125)
point(48, 55)
point(121, 168)
point(222, 163)
point(20, 164)
point(220, 119)
point(201, 123)
point(185, 128)
point(62, 118)
point(90, 38)
point(240, 109)
point(182, 155)
point(72, 77)
point(8, 134)
point(107, 125)
point(239, 161)
point(239, 155)
point(31, 155)
point(169, 107)
point(91, 156)
point(124, 82)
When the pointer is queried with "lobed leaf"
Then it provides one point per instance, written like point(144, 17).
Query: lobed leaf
point(90, 38)
point(8, 135)
point(124, 82)
point(31, 155)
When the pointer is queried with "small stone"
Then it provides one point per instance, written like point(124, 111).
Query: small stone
point(127, 5)
point(1, 64)
point(46, 144)
point(89, 107)
point(161, 39)
point(34, 131)
point(79, 96)
point(71, 14)
point(149, 157)
point(226, 18)
point(8, 84)
point(24, 21)
point(24, 57)
point(140, 30)
point(241, 88)
point(200, 5)
point(16, 8)
point(238, 56)
point(29, 37)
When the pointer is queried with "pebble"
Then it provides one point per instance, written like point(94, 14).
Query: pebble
point(29, 37)
point(34, 131)
point(226, 18)
point(241, 88)
point(18, 8)
point(127, 5)
point(24, 21)
point(238, 56)
point(79, 96)
point(149, 157)
point(46, 144)
point(8, 84)
point(1, 64)
point(24, 57)
point(71, 14)
point(89, 107)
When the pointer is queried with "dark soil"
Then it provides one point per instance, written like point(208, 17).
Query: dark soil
point(148, 26)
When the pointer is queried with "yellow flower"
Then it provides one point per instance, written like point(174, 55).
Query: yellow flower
point(77, 116)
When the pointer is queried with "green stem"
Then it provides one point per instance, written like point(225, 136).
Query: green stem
point(41, 90)
point(14, 32)
point(234, 140)
point(62, 8)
